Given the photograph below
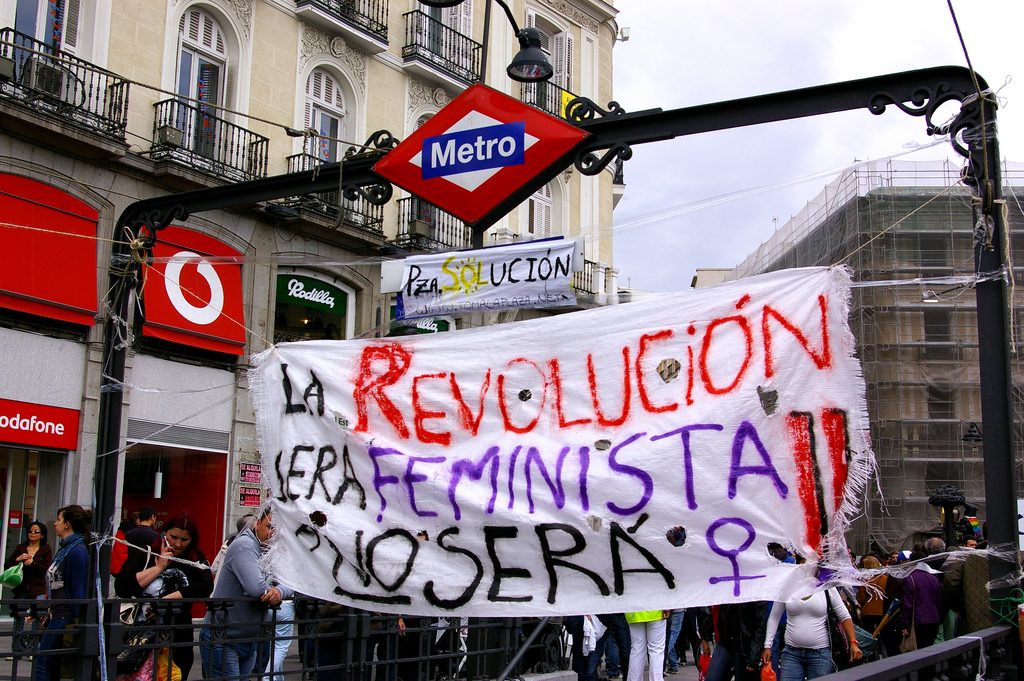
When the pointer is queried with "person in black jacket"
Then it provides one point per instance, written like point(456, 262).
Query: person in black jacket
point(154, 571)
point(740, 631)
point(35, 556)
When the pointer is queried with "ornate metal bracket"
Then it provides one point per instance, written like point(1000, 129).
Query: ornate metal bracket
point(582, 109)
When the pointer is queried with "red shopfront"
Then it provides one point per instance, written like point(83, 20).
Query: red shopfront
point(34, 443)
point(50, 294)
point(179, 440)
point(48, 284)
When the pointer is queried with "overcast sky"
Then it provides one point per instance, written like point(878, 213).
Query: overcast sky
point(687, 52)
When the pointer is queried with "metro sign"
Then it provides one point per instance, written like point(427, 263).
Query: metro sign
point(477, 152)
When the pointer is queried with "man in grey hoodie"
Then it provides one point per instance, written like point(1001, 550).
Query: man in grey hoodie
point(228, 642)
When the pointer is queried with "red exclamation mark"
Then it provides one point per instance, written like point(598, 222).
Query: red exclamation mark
point(833, 421)
point(801, 434)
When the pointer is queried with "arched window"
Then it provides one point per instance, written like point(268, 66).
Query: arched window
point(202, 77)
point(325, 113)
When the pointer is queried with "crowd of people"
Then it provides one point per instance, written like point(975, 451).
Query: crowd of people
point(797, 639)
point(803, 638)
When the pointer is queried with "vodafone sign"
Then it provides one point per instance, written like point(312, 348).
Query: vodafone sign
point(38, 425)
point(191, 298)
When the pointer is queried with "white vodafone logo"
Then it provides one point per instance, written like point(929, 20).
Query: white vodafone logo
point(206, 314)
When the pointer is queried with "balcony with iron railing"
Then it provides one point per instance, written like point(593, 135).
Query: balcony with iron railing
point(53, 82)
point(584, 281)
point(546, 96)
point(424, 226)
point(433, 49)
point(363, 22)
point(360, 214)
point(195, 136)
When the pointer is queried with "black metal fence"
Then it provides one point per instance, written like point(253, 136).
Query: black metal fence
point(310, 640)
point(435, 43)
point(198, 136)
point(303, 639)
point(369, 15)
point(61, 84)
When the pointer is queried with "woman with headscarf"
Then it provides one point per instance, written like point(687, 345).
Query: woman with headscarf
point(66, 579)
point(173, 568)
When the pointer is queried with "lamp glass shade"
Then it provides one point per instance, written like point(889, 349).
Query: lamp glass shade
point(441, 3)
point(530, 64)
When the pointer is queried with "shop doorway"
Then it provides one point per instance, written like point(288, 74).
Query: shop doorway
point(31, 486)
point(177, 480)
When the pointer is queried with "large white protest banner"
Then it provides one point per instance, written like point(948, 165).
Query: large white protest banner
point(630, 457)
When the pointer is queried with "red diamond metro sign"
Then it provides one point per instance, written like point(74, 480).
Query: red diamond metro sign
point(477, 152)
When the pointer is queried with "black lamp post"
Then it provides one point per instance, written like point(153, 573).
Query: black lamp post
point(948, 498)
point(530, 65)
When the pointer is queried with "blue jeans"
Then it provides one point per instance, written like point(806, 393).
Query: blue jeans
point(726, 664)
point(282, 639)
point(48, 666)
point(611, 657)
point(226, 660)
point(800, 663)
point(675, 625)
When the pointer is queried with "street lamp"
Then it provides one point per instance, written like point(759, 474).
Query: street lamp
point(530, 65)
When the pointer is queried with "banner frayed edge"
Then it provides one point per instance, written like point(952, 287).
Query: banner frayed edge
point(863, 466)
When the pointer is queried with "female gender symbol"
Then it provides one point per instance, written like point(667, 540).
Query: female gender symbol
point(731, 554)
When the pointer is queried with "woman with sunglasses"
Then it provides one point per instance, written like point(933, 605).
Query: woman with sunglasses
point(35, 556)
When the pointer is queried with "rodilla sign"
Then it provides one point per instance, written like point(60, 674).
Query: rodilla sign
point(472, 157)
point(38, 425)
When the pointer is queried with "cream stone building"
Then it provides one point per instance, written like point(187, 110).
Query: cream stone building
point(105, 103)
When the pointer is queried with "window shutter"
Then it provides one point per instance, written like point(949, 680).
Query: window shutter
point(70, 33)
point(562, 59)
point(459, 17)
point(568, 61)
point(195, 18)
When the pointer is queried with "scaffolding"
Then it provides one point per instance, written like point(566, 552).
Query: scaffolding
point(891, 222)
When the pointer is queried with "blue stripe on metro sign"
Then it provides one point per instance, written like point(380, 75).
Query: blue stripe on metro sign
point(494, 146)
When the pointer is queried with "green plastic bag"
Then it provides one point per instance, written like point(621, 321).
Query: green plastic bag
point(11, 577)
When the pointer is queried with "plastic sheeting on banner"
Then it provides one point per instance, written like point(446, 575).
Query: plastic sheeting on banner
point(631, 457)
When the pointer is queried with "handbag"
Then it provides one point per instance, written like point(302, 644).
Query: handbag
point(703, 663)
point(12, 576)
point(910, 642)
point(768, 673)
point(836, 637)
point(134, 654)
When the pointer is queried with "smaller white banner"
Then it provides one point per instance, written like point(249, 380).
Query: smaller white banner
point(535, 274)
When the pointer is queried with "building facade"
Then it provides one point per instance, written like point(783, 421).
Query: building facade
point(106, 103)
point(895, 224)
